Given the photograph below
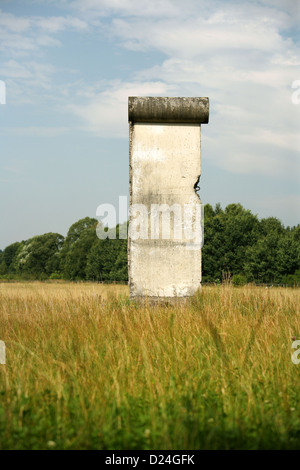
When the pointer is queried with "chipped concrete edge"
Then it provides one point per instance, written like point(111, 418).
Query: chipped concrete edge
point(131, 130)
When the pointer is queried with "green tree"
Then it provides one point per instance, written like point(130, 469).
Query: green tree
point(9, 257)
point(78, 242)
point(101, 265)
point(77, 256)
point(227, 234)
point(39, 255)
point(275, 255)
point(120, 269)
point(3, 267)
point(107, 260)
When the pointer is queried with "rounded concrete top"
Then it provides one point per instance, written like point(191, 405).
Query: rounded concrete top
point(168, 110)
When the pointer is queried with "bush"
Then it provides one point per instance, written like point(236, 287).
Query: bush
point(291, 279)
point(56, 276)
point(239, 280)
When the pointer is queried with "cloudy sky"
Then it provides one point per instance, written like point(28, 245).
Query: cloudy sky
point(70, 65)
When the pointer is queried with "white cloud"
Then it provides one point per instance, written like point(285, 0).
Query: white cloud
point(290, 7)
point(287, 140)
point(26, 80)
point(239, 57)
point(106, 113)
point(22, 35)
point(240, 54)
point(47, 41)
point(22, 40)
point(14, 69)
point(54, 24)
point(14, 23)
point(135, 8)
point(33, 131)
point(197, 37)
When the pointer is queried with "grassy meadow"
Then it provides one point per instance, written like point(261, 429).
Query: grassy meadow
point(87, 369)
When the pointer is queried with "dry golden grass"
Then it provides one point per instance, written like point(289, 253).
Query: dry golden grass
point(86, 369)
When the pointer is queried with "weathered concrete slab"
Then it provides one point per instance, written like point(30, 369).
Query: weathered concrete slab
point(164, 237)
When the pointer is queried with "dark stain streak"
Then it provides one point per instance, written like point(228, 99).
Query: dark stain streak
point(196, 187)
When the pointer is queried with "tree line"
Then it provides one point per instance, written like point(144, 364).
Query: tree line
point(237, 244)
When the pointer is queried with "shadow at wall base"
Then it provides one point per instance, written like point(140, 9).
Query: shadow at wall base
point(161, 301)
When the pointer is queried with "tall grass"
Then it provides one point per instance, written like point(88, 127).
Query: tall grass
point(87, 369)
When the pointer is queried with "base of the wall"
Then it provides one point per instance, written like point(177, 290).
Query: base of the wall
point(165, 301)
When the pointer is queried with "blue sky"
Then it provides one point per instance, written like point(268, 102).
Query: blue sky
point(69, 67)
